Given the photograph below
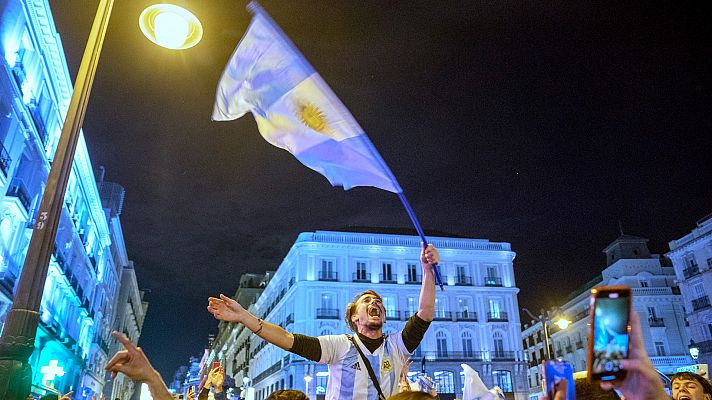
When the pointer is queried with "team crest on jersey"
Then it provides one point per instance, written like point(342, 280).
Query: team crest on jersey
point(356, 366)
point(386, 364)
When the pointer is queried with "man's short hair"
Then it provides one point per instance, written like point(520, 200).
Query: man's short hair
point(287, 394)
point(351, 307)
point(689, 376)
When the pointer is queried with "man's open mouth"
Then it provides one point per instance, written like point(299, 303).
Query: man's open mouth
point(374, 312)
point(684, 397)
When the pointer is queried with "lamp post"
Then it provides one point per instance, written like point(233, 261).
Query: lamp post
point(18, 337)
point(307, 379)
point(562, 323)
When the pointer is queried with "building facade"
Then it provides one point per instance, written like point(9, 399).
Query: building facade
point(656, 299)
point(691, 256)
point(476, 319)
point(71, 346)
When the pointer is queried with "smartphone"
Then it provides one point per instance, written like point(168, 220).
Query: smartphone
point(608, 332)
point(554, 372)
point(215, 365)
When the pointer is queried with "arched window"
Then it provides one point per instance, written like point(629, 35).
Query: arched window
point(467, 344)
point(503, 379)
point(445, 381)
point(326, 331)
point(441, 343)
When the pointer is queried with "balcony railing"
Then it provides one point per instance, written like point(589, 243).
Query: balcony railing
point(5, 160)
point(450, 355)
point(388, 278)
point(700, 303)
point(493, 281)
point(442, 315)
point(656, 322)
point(360, 276)
point(689, 272)
point(327, 313)
point(328, 276)
point(502, 355)
point(462, 280)
point(497, 317)
point(466, 316)
point(393, 314)
point(413, 280)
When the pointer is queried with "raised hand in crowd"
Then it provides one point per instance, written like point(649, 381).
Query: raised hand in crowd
point(642, 382)
point(133, 363)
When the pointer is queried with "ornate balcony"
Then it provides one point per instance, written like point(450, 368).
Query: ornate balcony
point(413, 280)
point(388, 278)
point(441, 315)
point(497, 317)
point(462, 280)
point(689, 272)
point(361, 276)
point(466, 316)
point(327, 313)
point(493, 281)
point(328, 276)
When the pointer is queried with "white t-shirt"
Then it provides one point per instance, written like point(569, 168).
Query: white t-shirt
point(348, 377)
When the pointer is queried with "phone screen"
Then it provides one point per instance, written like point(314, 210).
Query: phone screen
point(610, 334)
point(554, 372)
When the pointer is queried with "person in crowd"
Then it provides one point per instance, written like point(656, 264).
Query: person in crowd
point(641, 382)
point(349, 376)
point(133, 363)
point(287, 394)
point(690, 386)
point(215, 379)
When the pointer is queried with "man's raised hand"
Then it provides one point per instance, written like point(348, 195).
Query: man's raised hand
point(226, 309)
point(132, 362)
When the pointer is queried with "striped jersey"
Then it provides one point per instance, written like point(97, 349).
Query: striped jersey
point(348, 376)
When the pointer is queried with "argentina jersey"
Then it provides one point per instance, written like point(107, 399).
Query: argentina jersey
point(348, 376)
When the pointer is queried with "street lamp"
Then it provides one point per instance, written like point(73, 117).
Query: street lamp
point(307, 379)
point(18, 336)
point(694, 350)
point(170, 26)
point(562, 323)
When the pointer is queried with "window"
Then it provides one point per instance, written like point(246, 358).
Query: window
point(660, 349)
point(441, 342)
point(361, 271)
point(440, 307)
point(503, 379)
point(651, 312)
point(643, 283)
point(492, 271)
point(467, 344)
point(412, 306)
point(321, 379)
point(389, 303)
point(412, 272)
point(328, 272)
point(498, 342)
point(691, 262)
point(387, 271)
point(445, 381)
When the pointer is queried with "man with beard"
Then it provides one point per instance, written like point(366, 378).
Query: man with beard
point(349, 376)
point(689, 386)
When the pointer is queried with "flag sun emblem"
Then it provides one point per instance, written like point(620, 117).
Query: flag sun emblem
point(313, 117)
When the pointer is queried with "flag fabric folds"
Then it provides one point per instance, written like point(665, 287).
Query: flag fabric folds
point(295, 109)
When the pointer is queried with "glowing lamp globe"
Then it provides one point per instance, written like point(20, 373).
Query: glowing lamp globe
point(170, 26)
point(563, 323)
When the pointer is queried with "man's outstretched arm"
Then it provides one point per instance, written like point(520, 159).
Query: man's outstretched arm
point(227, 309)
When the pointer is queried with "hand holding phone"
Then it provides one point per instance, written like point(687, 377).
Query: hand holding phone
point(555, 372)
point(608, 333)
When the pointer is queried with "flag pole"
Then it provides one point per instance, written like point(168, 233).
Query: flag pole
point(256, 9)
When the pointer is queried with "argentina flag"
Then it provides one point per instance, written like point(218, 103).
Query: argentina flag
point(295, 109)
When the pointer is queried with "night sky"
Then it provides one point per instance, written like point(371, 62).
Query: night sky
point(542, 124)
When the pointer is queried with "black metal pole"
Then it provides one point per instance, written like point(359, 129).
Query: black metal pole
point(18, 337)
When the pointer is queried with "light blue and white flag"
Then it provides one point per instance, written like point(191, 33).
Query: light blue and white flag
point(295, 109)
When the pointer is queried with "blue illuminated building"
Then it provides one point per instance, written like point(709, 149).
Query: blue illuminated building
point(79, 304)
point(476, 316)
